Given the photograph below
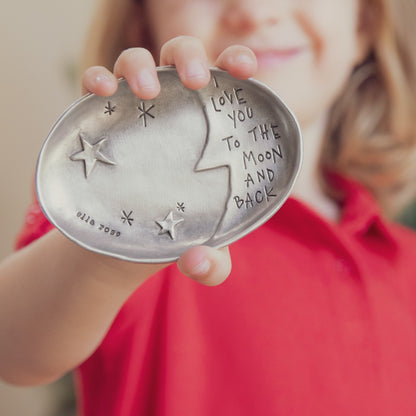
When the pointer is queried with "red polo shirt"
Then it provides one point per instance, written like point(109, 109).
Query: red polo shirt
point(315, 319)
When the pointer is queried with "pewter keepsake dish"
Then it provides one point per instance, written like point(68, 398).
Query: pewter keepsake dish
point(144, 180)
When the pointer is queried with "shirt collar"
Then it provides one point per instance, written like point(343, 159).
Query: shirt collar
point(360, 213)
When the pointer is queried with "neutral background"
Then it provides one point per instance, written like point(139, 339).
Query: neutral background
point(40, 45)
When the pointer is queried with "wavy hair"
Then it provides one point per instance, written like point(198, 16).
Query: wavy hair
point(371, 132)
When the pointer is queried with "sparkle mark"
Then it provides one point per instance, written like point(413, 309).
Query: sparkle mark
point(145, 112)
point(91, 154)
point(180, 206)
point(168, 225)
point(109, 109)
point(127, 217)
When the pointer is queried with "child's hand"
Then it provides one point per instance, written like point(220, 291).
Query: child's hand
point(77, 294)
point(188, 55)
point(203, 264)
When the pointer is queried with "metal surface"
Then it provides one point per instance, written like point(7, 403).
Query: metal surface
point(144, 180)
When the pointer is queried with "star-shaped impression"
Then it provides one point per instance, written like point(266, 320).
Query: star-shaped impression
point(91, 154)
point(168, 225)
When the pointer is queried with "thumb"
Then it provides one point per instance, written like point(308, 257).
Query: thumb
point(206, 265)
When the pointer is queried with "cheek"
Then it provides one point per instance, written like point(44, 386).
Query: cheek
point(330, 62)
point(336, 62)
point(327, 79)
point(331, 27)
point(310, 86)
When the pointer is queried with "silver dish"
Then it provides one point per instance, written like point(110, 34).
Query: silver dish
point(144, 180)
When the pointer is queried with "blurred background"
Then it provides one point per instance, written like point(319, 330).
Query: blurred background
point(40, 46)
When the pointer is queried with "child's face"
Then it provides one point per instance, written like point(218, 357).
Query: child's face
point(306, 49)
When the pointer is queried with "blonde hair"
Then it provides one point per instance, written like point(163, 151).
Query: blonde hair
point(371, 133)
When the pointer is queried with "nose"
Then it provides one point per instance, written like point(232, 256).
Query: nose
point(248, 15)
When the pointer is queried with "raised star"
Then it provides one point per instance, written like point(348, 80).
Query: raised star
point(91, 154)
point(168, 225)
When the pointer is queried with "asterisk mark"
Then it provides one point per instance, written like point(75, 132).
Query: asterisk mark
point(109, 109)
point(127, 217)
point(145, 112)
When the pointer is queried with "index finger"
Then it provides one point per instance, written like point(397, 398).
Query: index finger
point(189, 56)
point(239, 61)
point(99, 80)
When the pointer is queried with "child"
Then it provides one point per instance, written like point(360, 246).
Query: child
point(318, 315)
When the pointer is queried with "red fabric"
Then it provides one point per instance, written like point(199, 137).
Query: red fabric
point(315, 319)
point(35, 225)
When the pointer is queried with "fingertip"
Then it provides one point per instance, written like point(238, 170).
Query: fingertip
point(188, 55)
point(145, 83)
point(138, 67)
point(206, 265)
point(239, 61)
point(244, 66)
point(100, 81)
point(194, 74)
point(194, 263)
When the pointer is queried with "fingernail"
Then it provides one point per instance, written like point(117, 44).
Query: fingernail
point(94, 82)
point(243, 59)
point(201, 268)
point(195, 69)
point(147, 79)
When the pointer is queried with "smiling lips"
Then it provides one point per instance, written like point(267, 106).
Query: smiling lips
point(272, 58)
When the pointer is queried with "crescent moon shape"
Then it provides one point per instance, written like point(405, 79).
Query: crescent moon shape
point(144, 180)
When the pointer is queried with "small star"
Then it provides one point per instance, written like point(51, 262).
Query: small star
point(145, 113)
point(127, 217)
point(109, 109)
point(180, 206)
point(91, 154)
point(168, 225)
